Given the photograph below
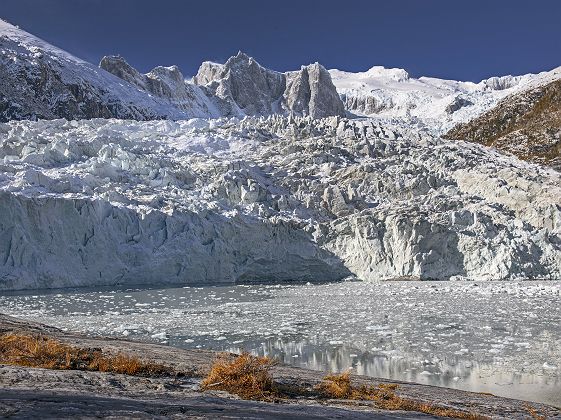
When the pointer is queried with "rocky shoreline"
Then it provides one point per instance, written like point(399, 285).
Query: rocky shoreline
point(25, 392)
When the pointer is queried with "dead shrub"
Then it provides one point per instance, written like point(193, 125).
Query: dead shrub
point(534, 413)
point(42, 352)
point(245, 375)
point(339, 386)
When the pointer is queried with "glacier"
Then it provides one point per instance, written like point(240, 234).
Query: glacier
point(244, 174)
point(119, 202)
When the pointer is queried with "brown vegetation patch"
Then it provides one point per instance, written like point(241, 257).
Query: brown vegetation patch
point(384, 396)
point(526, 124)
point(249, 377)
point(534, 413)
point(41, 352)
point(245, 375)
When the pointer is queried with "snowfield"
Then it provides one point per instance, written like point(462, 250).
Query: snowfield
point(105, 202)
point(437, 104)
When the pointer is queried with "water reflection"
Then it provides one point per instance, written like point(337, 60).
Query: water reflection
point(452, 372)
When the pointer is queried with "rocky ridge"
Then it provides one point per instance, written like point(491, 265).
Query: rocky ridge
point(240, 87)
point(40, 81)
point(254, 90)
point(526, 124)
point(169, 84)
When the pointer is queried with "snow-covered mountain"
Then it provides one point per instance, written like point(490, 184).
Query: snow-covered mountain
point(168, 83)
point(242, 198)
point(438, 104)
point(38, 80)
point(255, 90)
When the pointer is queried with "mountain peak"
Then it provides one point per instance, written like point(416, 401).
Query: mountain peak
point(256, 90)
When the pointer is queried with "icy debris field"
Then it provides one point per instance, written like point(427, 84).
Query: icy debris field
point(503, 338)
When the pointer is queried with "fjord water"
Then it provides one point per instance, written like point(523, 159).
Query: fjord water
point(497, 337)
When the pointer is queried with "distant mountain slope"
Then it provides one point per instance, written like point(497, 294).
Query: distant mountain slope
point(38, 80)
point(526, 124)
point(169, 84)
point(438, 104)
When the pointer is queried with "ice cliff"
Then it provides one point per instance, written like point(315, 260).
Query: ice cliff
point(105, 202)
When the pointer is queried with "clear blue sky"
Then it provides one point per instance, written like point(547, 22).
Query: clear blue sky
point(466, 40)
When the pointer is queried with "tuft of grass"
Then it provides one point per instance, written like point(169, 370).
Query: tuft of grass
point(339, 386)
point(244, 375)
point(42, 352)
point(249, 377)
point(534, 413)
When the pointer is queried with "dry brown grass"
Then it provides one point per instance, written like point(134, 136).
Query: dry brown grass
point(384, 396)
point(42, 352)
point(534, 413)
point(245, 375)
point(249, 377)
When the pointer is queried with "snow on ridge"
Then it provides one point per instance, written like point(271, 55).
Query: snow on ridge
point(440, 104)
point(53, 83)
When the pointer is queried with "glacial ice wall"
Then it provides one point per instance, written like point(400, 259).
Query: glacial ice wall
point(107, 202)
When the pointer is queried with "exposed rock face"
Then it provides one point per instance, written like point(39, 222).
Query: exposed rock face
point(117, 202)
point(167, 83)
point(526, 124)
point(241, 81)
point(39, 81)
point(457, 104)
point(310, 91)
point(255, 90)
